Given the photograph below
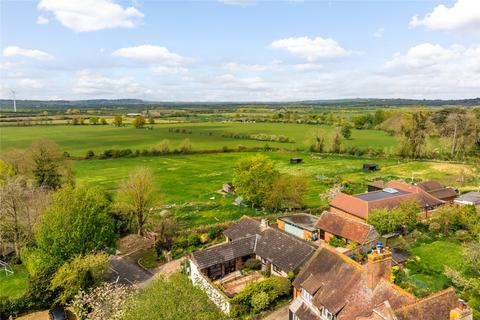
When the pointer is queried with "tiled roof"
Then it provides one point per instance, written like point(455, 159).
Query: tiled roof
point(284, 250)
point(437, 190)
point(377, 184)
point(434, 307)
point(244, 227)
point(224, 252)
point(342, 286)
point(280, 248)
point(346, 227)
point(362, 204)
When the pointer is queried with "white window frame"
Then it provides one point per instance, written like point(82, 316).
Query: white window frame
point(326, 315)
point(307, 297)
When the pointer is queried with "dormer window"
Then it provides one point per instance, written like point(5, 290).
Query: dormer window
point(307, 296)
point(326, 315)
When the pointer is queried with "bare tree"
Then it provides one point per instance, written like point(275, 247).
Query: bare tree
point(21, 206)
point(136, 196)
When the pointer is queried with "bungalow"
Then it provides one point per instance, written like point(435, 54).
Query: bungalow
point(351, 230)
point(359, 206)
point(333, 287)
point(302, 225)
point(279, 252)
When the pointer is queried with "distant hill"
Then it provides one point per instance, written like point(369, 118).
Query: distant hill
point(137, 103)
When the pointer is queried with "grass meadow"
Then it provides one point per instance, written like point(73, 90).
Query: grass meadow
point(77, 140)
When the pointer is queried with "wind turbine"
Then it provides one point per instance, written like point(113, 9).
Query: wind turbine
point(14, 101)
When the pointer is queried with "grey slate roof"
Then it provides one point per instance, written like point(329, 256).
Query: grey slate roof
point(285, 251)
point(224, 252)
point(280, 248)
point(242, 228)
point(301, 220)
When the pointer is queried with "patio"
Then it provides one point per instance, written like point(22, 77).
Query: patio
point(237, 281)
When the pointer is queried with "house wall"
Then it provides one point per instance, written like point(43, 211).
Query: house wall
point(217, 297)
point(280, 224)
point(294, 230)
point(346, 214)
point(307, 235)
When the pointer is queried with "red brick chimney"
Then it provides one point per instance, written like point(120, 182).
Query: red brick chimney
point(379, 265)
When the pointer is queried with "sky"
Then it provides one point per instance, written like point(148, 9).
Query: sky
point(239, 50)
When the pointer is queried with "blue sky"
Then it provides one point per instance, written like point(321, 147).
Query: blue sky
point(240, 50)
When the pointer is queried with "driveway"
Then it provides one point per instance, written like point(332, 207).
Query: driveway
point(279, 314)
point(127, 272)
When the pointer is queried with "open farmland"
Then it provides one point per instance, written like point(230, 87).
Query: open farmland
point(192, 181)
point(77, 140)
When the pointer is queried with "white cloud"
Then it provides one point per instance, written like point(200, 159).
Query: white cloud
point(311, 49)
point(308, 66)
point(42, 20)
point(242, 3)
point(234, 66)
point(240, 83)
point(379, 33)
point(89, 83)
point(13, 51)
point(464, 16)
point(91, 15)
point(424, 55)
point(151, 54)
point(164, 70)
point(29, 83)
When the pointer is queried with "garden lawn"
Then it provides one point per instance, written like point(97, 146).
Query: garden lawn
point(14, 285)
point(77, 140)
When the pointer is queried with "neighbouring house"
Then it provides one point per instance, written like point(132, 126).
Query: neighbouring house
point(470, 198)
point(438, 190)
point(333, 287)
point(371, 167)
point(302, 225)
point(228, 188)
point(296, 160)
point(359, 206)
point(351, 230)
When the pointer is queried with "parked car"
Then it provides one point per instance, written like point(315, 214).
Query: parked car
point(57, 313)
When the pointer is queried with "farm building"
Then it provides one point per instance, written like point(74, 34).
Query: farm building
point(375, 186)
point(438, 190)
point(371, 167)
point(296, 160)
point(301, 225)
point(359, 206)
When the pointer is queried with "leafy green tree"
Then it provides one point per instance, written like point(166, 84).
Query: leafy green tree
point(186, 145)
point(80, 273)
point(337, 143)
point(76, 223)
point(253, 178)
point(6, 171)
point(118, 121)
point(171, 298)
point(410, 213)
point(384, 221)
point(287, 192)
point(136, 196)
point(346, 130)
point(103, 121)
point(151, 120)
point(139, 122)
point(93, 120)
point(414, 131)
point(48, 165)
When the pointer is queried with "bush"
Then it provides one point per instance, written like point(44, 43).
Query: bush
point(214, 232)
point(335, 241)
point(194, 239)
point(253, 264)
point(90, 154)
point(14, 306)
point(260, 301)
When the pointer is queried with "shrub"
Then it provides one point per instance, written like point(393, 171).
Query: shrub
point(253, 264)
point(335, 241)
point(193, 239)
point(14, 306)
point(214, 232)
point(260, 301)
point(90, 154)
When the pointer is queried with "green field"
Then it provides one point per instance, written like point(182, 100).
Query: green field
point(194, 180)
point(77, 140)
point(14, 285)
